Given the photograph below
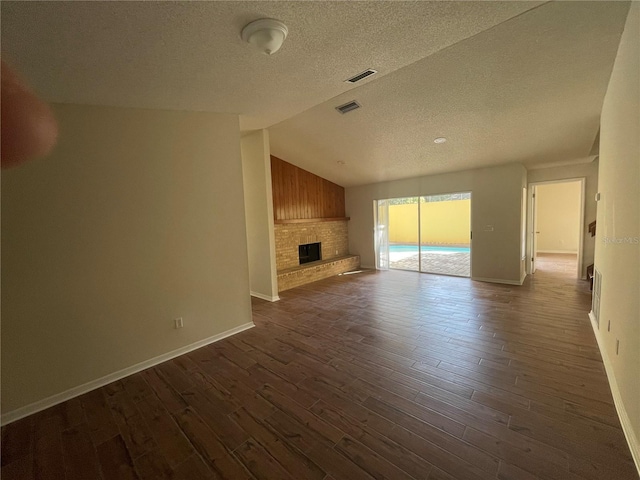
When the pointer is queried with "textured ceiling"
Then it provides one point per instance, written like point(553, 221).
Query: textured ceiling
point(503, 81)
point(529, 90)
point(189, 55)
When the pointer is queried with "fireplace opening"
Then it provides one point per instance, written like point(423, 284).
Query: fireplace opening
point(309, 252)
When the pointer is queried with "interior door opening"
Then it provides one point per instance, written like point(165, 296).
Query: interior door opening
point(556, 227)
point(430, 234)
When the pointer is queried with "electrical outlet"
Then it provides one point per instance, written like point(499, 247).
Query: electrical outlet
point(617, 346)
point(178, 322)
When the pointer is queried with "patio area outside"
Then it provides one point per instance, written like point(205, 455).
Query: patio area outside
point(444, 261)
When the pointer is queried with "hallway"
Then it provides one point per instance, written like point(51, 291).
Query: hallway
point(557, 264)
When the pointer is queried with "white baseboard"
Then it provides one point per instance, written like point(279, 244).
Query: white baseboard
point(574, 252)
point(262, 296)
point(627, 428)
point(522, 277)
point(45, 403)
point(498, 280)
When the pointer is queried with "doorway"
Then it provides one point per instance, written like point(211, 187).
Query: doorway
point(429, 234)
point(556, 226)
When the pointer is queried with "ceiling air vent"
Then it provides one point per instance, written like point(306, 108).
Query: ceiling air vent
point(347, 107)
point(361, 76)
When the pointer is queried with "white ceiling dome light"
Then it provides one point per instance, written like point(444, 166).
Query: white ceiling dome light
point(266, 34)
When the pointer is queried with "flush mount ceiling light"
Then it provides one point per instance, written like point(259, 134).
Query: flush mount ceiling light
point(440, 140)
point(266, 34)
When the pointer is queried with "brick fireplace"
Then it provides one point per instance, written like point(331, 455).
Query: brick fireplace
point(332, 236)
point(308, 210)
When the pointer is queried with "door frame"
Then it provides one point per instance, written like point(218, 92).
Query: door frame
point(533, 230)
point(531, 254)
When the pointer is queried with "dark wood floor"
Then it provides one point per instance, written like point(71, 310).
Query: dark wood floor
point(394, 375)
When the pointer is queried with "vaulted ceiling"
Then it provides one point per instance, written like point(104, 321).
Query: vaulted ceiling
point(502, 81)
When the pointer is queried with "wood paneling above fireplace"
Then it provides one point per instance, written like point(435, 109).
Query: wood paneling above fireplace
point(299, 195)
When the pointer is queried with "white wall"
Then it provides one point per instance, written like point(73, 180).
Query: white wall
point(617, 254)
point(496, 201)
point(258, 201)
point(588, 171)
point(136, 218)
point(558, 212)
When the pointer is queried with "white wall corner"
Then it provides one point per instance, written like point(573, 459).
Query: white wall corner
point(256, 161)
point(268, 298)
point(270, 214)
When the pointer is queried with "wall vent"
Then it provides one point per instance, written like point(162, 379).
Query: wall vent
point(361, 76)
point(347, 107)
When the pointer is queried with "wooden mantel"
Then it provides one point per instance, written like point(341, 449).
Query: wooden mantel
point(312, 220)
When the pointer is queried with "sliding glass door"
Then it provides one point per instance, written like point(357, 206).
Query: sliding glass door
point(430, 234)
point(404, 238)
point(381, 213)
point(445, 234)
